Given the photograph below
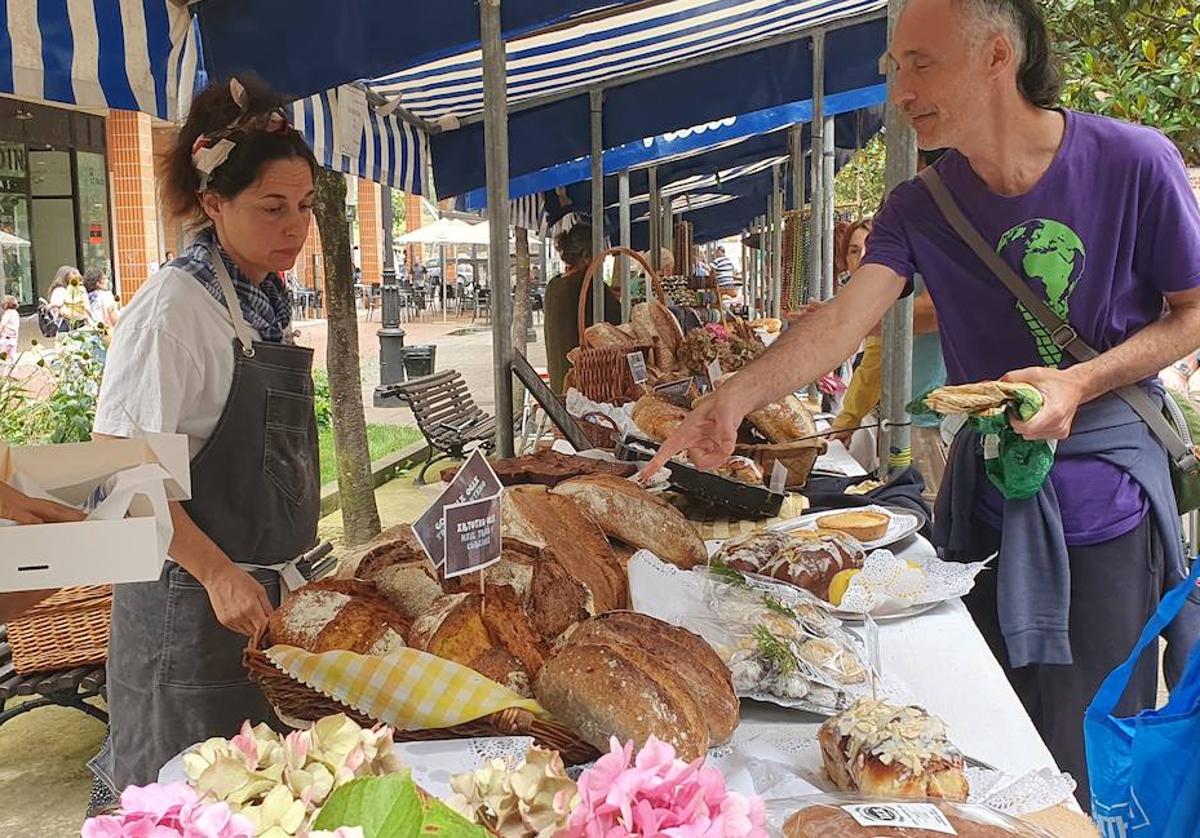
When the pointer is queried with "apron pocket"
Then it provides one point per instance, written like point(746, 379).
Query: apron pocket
point(197, 650)
point(289, 450)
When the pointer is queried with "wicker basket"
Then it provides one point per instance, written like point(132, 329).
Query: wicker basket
point(797, 457)
point(602, 374)
point(295, 700)
point(66, 630)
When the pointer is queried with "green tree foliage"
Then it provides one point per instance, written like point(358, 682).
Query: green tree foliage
point(1133, 59)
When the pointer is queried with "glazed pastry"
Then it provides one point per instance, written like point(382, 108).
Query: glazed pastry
point(882, 750)
point(804, 559)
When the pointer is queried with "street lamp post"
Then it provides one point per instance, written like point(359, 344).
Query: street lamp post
point(391, 336)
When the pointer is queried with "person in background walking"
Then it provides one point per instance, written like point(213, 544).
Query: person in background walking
point(561, 324)
point(68, 300)
point(722, 268)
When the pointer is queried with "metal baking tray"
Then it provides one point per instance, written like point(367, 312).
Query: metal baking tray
point(739, 499)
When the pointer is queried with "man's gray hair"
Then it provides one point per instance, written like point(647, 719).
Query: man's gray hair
point(1038, 76)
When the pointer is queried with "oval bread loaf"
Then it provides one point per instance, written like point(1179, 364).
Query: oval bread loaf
point(626, 511)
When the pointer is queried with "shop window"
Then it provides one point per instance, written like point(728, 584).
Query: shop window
point(16, 254)
point(94, 236)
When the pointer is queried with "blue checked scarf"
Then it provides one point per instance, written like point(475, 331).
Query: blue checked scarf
point(267, 307)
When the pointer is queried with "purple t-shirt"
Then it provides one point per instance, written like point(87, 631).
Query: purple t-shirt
point(1109, 228)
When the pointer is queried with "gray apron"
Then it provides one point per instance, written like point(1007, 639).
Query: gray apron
point(175, 674)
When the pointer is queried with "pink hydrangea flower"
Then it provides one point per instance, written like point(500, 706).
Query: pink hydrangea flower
point(717, 330)
point(167, 811)
point(655, 795)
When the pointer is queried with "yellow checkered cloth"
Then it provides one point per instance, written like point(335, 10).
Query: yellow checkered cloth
point(409, 690)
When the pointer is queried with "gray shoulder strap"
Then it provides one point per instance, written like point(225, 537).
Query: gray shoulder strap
point(1061, 332)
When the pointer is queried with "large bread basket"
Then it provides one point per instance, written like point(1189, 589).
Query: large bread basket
point(798, 457)
point(602, 373)
point(294, 700)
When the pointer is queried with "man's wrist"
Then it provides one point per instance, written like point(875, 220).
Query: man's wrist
point(1086, 381)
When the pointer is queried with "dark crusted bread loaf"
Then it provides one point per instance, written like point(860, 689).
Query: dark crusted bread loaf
point(614, 689)
point(626, 511)
point(679, 650)
point(338, 614)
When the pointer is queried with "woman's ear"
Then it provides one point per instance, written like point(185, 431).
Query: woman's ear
point(211, 204)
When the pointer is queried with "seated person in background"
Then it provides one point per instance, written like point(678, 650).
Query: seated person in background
point(22, 509)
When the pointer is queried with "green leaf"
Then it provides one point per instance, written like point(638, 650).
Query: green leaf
point(390, 807)
point(1150, 50)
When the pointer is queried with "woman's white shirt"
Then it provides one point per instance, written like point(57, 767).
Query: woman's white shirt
point(170, 363)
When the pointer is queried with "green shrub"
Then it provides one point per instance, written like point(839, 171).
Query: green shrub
point(322, 403)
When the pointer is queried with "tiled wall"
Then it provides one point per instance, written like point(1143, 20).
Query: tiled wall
point(414, 219)
point(370, 230)
point(131, 163)
point(310, 275)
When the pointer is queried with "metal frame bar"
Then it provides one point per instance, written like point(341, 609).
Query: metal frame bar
point(817, 220)
point(827, 207)
point(596, 98)
point(495, 130)
point(622, 260)
point(777, 240)
point(681, 64)
point(895, 439)
point(655, 214)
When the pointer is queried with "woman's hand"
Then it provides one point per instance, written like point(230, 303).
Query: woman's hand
point(239, 601)
point(19, 507)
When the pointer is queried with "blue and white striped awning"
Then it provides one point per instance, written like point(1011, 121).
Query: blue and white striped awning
point(589, 52)
point(390, 151)
point(125, 54)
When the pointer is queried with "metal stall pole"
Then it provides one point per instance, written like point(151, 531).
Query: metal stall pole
point(623, 261)
point(668, 225)
point(817, 216)
point(768, 240)
point(652, 222)
point(901, 165)
point(827, 208)
point(495, 138)
point(597, 102)
point(777, 241)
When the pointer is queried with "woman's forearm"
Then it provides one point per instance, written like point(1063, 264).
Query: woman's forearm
point(193, 550)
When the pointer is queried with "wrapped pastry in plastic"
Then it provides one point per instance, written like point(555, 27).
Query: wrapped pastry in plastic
point(851, 816)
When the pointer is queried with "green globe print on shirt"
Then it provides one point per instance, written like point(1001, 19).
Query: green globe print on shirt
point(1051, 255)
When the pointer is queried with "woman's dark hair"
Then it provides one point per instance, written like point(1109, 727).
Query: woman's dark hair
point(575, 245)
point(92, 278)
point(1039, 77)
point(214, 110)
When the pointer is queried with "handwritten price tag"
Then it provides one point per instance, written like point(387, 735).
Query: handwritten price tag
point(779, 475)
point(714, 371)
point(472, 535)
point(637, 366)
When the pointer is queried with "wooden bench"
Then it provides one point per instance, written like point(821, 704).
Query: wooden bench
point(67, 688)
point(446, 415)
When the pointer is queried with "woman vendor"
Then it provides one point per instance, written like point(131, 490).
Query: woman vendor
point(204, 349)
point(562, 302)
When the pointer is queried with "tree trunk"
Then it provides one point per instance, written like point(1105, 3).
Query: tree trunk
point(360, 516)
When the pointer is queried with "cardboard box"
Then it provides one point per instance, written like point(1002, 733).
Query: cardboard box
point(36, 556)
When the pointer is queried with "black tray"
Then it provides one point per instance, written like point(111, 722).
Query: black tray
point(740, 499)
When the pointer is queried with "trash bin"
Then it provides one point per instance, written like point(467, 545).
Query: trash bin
point(419, 360)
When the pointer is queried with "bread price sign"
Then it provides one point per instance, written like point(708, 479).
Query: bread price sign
point(460, 531)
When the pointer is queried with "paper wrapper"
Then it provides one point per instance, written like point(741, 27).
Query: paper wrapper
point(888, 585)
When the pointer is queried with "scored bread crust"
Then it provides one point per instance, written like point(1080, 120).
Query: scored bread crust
point(332, 614)
point(532, 516)
point(864, 525)
point(626, 511)
point(656, 417)
point(604, 690)
point(654, 323)
point(680, 650)
point(783, 421)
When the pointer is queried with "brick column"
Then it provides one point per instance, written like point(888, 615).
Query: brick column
point(131, 163)
point(370, 230)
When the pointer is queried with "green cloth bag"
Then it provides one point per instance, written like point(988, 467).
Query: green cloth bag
point(1016, 466)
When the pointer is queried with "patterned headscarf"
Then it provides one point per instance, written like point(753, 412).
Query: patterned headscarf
point(267, 306)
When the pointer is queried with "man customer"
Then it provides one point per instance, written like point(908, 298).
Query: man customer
point(1083, 564)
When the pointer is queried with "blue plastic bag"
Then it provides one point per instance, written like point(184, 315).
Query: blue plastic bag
point(1145, 770)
